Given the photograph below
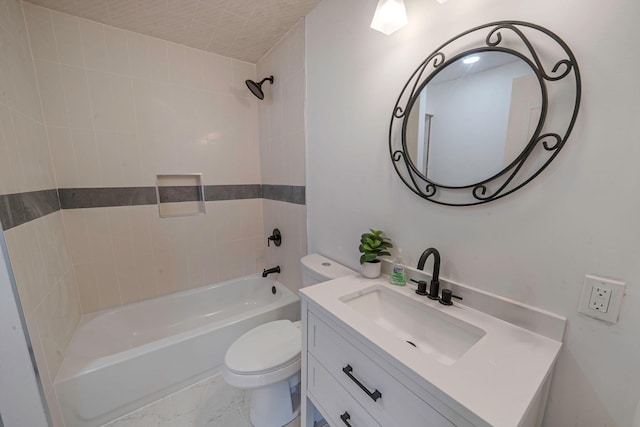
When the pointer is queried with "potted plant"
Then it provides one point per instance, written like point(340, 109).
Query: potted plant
point(372, 246)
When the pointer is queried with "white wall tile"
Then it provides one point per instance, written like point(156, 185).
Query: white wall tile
point(123, 104)
point(138, 55)
point(18, 89)
point(41, 34)
point(33, 150)
point(5, 18)
point(218, 73)
point(293, 103)
point(131, 159)
point(67, 36)
point(185, 65)
point(100, 91)
point(282, 150)
point(294, 154)
point(10, 165)
point(21, 241)
point(111, 167)
point(244, 71)
point(76, 236)
point(87, 159)
point(131, 104)
point(94, 46)
point(158, 65)
point(117, 50)
point(54, 104)
point(87, 288)
point(76, 91)
point(46, 286)
point(37, 249)
point(63, 156)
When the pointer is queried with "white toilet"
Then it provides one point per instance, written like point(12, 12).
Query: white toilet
point(266, 360)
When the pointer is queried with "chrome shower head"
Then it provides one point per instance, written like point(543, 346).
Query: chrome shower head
point(256, 88)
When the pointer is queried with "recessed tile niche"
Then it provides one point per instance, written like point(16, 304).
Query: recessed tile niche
point(180, 195)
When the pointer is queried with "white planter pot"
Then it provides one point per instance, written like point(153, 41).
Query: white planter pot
point(371, 270)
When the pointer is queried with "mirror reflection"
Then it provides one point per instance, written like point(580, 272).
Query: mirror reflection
point(473, 118)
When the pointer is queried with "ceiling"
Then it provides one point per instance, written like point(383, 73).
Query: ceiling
point(242, 29)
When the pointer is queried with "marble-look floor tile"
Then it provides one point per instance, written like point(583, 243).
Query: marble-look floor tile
point(208, 403)
point(223, 406)
point(157, 414)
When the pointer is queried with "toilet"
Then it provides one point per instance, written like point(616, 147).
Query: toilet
point(266, 360)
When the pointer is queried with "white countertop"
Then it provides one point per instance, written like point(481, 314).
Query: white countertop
point(496, 380)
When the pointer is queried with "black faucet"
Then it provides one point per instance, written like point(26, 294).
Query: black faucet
point(275, 269)
point(435, 277)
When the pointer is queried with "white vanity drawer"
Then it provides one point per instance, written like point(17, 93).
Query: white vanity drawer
point(342, 409)
point(396, 405)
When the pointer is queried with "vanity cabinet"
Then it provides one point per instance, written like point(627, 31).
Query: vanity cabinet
point(372, 387)
point(343, 381)
point(380, 355)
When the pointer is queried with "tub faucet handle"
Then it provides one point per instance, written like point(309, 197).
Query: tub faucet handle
point(276, 238)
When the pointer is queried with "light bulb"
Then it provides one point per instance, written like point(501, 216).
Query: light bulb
point(390, 16)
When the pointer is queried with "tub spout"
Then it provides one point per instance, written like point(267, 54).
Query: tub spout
point(275, 269)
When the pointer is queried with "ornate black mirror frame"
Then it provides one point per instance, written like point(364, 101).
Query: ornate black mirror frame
point(514, 37)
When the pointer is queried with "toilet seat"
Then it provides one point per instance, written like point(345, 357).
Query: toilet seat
point(266, 348)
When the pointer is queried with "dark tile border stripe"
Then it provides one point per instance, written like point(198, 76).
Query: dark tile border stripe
point(16, 209)
point(214, 193)
point(172, 194)
point(285, 193)
point(78, 198)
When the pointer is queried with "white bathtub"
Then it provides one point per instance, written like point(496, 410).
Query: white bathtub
point(124, 358)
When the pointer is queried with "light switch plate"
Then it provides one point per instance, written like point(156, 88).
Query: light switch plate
point(601, 298)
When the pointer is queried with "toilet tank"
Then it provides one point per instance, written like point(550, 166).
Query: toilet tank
point(317, 268)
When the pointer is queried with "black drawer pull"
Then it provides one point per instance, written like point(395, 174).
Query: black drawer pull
point(345, 418)
point(375, 395)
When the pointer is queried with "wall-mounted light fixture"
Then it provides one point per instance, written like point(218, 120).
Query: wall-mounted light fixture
point(390, 16)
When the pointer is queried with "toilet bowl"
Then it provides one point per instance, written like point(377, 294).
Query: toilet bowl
point(266, 359)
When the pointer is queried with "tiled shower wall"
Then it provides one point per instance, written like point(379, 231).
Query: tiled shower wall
point(282, 148)
point(86, 106)
point(120, 108)
point(32, 225)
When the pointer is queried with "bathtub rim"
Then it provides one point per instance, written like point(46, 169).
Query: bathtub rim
point(69, 367)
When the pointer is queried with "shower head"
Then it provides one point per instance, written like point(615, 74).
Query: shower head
point(256, 88)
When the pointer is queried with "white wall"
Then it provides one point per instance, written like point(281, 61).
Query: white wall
point(580, 216)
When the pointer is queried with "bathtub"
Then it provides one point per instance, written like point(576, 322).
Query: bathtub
point(124, 358)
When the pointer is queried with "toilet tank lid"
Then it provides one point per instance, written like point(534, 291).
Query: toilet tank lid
point(325, 267)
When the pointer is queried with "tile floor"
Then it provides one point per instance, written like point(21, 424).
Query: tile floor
point(210, 403)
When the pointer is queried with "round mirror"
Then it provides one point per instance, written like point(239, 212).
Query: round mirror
point(485, 113)
point(473, 118)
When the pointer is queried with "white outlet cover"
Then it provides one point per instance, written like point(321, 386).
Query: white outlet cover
point(615, 301)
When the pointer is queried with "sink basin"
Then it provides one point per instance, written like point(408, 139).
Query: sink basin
point(429, 330)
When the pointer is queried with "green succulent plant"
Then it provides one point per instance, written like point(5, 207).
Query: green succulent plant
point(373, 245)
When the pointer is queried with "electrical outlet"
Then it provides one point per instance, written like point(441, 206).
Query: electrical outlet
point(601, 298)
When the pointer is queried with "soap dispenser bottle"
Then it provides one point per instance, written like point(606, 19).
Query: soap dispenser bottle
point(398, 274)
